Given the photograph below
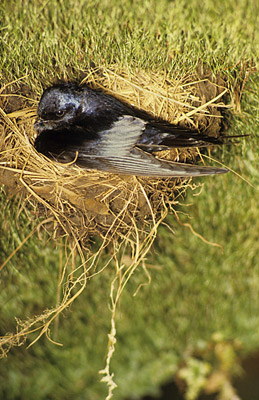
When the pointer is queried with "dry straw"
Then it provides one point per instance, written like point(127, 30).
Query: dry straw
point(124, 212)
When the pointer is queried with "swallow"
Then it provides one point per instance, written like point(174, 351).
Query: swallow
point(97, 131)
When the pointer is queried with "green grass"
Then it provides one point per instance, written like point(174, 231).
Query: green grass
point(196, 291)
point(50, 39)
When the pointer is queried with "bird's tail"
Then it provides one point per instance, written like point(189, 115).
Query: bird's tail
point(155, 138)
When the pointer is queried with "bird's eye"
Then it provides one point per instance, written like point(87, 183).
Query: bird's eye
point(60, 113)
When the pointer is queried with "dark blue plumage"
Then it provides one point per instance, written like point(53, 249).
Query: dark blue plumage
point(100, 132)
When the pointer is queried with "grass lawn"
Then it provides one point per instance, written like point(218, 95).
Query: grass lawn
point(198, 318)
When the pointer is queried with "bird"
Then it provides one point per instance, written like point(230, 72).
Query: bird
point(95, 130)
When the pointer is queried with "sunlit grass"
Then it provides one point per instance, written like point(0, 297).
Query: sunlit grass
point(196, 290)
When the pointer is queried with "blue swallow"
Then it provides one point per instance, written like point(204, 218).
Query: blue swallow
point(97, 131)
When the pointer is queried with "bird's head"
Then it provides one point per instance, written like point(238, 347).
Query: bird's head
point(59, 106)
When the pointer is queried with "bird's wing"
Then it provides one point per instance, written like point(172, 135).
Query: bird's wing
point(121, 137)
point(116, 153)
point(143, 164)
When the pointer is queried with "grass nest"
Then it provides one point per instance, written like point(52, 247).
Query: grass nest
point(82, 205)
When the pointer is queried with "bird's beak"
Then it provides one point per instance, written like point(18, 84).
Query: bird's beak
point(38, 125)
point(42, 125)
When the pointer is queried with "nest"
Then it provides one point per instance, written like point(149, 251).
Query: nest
point(82, 205)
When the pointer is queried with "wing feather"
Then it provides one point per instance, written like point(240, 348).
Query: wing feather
point(121, 137)
point(116, 152)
